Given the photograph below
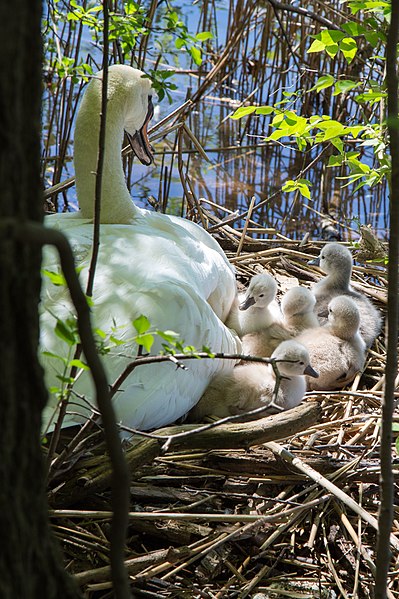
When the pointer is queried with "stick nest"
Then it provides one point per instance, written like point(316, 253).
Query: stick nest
point(237, 514)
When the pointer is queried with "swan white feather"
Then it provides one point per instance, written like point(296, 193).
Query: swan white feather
point(164, 267)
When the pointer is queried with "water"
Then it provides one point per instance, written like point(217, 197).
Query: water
point(241, 165)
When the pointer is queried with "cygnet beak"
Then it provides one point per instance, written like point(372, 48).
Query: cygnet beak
point(311, 372)
point(139, 141)
point(247, 303)
point(315, 261)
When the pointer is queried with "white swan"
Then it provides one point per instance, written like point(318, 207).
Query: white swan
point(163, 267)
point(336, 349)
point(252, 386)
point(336, 261)
point(297, 307)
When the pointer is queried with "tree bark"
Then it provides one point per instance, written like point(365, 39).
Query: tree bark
point(30, 562)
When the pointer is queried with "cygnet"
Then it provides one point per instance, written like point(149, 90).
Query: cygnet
point(253, 386)
point(258, 308)
point(336, 349)
point(297, 307)
point(336, 261)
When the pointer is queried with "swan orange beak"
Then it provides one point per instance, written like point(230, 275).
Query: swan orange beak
point(139, 142)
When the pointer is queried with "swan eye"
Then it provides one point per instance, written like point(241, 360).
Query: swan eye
point(261, 295)
point(302, 363)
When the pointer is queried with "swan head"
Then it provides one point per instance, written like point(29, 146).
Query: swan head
point(297, 301)
point(131, 92)
point(343, 316)
point(293, 359)
point(334, 259)
point(261, 291)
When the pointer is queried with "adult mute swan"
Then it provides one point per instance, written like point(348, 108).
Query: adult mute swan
point(252, 386)
point(163, 267)
point(336, 261)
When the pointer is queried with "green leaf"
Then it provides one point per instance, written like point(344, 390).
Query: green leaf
point(145, 340)
point(57, 278)
point(332, 50)
point(67, 333)
point(323, 83)
point(264, 110)
point(79, 364)
point(329, 130)
point(56, 356)
point(343, 86)
point(348, 47)
point(141, 324)
point(203, 36)
point(67, 380)
point(373, 38)
point(169, 336)
point(331, 36)
point(196, 55)
point(353, 28)
point(243, 111)
point(179, 43)
point(316, 46)
point(335, 160)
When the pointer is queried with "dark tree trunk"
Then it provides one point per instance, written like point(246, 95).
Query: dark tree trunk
point(30, 564)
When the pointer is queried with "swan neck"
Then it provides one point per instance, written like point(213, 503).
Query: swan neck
point(116, 203)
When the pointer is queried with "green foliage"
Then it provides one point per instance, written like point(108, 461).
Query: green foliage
point(349, 140)
point(127, 28)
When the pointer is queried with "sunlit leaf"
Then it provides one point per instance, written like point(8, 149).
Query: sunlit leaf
point(343, 86)
point(203, 36)
point(316, 46)
point(79, 364)
point(348, 47)
point(196, 55)
point(145, 340)
point(243, 111)
point(141, 324)
point(57, 278)
point(323, 83)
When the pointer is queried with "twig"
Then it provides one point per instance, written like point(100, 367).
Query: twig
point(327, 484)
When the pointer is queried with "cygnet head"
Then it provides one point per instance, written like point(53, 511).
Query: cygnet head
point(297, 301)
point(343, 316)
point(334, 258)
point(261, 291)
point(296, 359)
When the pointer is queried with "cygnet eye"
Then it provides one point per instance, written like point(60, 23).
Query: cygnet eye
point(261, 295)
point(301, 363)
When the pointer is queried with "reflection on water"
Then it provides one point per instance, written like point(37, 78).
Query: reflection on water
point(259, 66)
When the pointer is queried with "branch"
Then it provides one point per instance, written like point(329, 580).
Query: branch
point(386, 484)
point(226, 436)
point(331, 487)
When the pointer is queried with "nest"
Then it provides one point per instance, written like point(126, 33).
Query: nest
point(284, 506)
